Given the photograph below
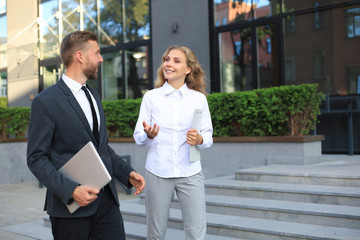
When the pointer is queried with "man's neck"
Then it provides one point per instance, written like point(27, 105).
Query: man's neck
point(76, 76)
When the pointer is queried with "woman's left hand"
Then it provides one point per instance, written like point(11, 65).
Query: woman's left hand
point(193, 137)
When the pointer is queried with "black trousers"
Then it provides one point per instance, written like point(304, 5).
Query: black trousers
point(105, 224)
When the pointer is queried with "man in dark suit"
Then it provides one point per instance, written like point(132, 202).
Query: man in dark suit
point(63, 119)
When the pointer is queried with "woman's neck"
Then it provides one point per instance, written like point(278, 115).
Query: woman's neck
point(176, 83)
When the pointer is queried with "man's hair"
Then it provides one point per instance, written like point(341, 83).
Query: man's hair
point(72, 42)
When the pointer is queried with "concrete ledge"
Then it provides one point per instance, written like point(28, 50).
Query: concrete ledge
point(225, 156)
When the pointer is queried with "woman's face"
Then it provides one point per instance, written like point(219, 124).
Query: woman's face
point(175, 67)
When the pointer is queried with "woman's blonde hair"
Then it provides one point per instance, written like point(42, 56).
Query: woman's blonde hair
point(195, 79)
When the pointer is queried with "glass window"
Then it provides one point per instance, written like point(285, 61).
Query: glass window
point(319, 65)
point(290, 74)
point(136, 80)
point(136, 20)
point(113, 85)
point(115, 22)
point(267, 67)
point(3, 34)
point(318, 18)
point(243, 10)
point(322, 56)
point(3, 84)
point(49, 75)
point(111, 22)
point(137, 74)
point(296, 5)
point(49, 29)
point(2, 6)
point(353, 79)
point(353, 22)
point(235, 60)
point(289, 23)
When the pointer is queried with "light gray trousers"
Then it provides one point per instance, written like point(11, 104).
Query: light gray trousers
point(159, 193)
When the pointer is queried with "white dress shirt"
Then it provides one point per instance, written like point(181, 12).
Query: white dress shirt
point(172, 110)
point(80, 96)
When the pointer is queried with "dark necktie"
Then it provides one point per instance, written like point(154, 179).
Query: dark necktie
point(95, 122)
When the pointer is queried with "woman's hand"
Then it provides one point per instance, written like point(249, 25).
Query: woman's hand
point(151, 132)
point(193, 137)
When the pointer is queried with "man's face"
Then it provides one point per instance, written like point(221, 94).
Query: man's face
point(93, 60)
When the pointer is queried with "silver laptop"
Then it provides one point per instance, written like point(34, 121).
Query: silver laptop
point(86, 168)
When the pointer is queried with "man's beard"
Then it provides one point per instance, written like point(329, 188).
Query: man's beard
point(91, 71)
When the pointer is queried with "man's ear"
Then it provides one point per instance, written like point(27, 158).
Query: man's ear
point(79, 57)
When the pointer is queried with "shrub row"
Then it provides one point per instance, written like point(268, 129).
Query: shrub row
point(277, 111)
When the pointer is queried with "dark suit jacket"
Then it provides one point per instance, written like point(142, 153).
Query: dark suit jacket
point(58, 129)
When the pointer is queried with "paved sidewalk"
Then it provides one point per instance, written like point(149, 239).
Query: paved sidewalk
point(21, 211)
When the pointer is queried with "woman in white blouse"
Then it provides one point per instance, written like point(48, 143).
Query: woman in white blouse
point(165, 126)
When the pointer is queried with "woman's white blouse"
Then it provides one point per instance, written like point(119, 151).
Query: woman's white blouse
point(172, 110)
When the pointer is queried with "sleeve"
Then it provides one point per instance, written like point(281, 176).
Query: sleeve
point(41, 131)
point(121, 169)
point(206, 127)
point(140, 136)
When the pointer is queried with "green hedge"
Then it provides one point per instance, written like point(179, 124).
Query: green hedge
point(121, 116)
point(277, 111)
point(14, 122)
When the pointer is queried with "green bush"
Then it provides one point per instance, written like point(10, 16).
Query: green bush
point(3, 102)
point(277, 111)
point(14, 122)
point(121, 116)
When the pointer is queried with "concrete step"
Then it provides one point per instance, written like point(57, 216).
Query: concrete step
point(245, 227)
point(136, 231)
point(310, 213)
point(303, 174)
point(228, 186)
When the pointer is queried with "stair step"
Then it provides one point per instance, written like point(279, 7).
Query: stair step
point(310, 213)
point(245, 227)
point(330, 174)
point(349, 196)
point(138, 231)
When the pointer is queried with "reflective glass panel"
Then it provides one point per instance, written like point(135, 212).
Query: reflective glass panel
point(49, 28)
point(112, 77)
point(227, 11)
point(268, 72)
point(72, 16)
point(2, 6)
point(49, 75)
point(3, 40)
point(330, 58)
point(3, 84)
point(296, 5)
point(137, 72)
point(235, 60)
point(136, 20)
point(111, 19)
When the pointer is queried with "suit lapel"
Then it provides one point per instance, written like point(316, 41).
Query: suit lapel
point(76, 107)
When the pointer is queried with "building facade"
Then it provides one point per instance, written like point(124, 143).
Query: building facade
point(241, 44)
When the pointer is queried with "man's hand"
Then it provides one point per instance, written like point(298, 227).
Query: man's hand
point(151, 132)
point(137, 181)
point(84, 195)
point(193, 137)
